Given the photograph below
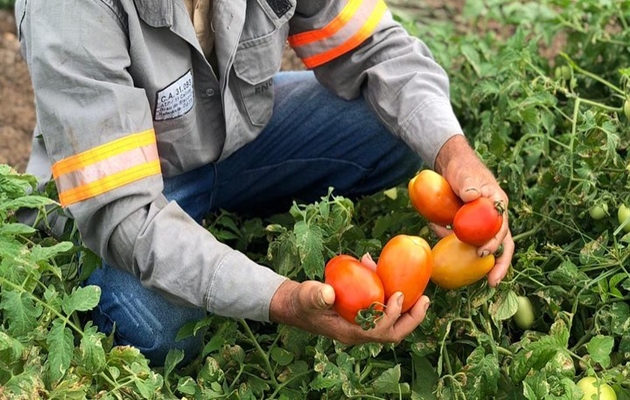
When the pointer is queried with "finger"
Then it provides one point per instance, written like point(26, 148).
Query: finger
point(368, 261)
point(393, 309)
point(502, 263)
point(412, 318)
point(316, 295)
point(493, 244)
point(440, 230)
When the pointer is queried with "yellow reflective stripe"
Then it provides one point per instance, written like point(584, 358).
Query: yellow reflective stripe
point(103, 152)
point(109, 183)
point(359, 37)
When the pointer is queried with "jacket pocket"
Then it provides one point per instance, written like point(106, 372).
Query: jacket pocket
point(255, 63)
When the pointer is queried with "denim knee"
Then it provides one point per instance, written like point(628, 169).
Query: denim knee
point(142, 318)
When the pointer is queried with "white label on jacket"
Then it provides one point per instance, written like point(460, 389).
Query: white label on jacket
point(176, 99)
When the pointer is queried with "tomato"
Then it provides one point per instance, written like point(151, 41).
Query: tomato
point(594, 390)
point(626, 108)
point(598, 211)
point(432, 196)
point(524, 316)
point(359, 293)
point(405, 265)
point(478, 221)
point(623, 215)
point(563, 72)
point(456, 264)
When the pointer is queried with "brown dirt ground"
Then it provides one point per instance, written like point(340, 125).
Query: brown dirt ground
point(17, 112)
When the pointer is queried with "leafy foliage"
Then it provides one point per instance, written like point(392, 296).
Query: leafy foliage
point(539, 88)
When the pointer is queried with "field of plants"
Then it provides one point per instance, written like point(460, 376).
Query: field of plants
point(543, 92)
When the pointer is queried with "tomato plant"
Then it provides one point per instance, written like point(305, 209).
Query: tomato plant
point(432, 196)
point(623, 215)
point(456, 264)
point(478, 221)
point(593, 389)
point(359, 294)
point(405, 265)
point(524, 316)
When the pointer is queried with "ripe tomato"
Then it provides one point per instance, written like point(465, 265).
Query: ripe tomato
point(456, 264)
point(623, 213)
point(478, 221)
point(433, 198)
point(591, 389)
point(359, 294)
point(405, 265)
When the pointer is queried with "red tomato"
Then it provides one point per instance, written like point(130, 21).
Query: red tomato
point(405, 265)
point(478, 221)
point(359, 294)
point(456, 264)
point(432, 196)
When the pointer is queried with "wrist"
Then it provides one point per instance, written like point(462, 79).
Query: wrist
point(282, 308)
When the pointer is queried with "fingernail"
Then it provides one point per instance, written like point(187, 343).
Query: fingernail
point(426, 306)
point(485, 253)
point(400, 299)
point(320, 299)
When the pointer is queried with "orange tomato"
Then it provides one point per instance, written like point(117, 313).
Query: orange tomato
point(456, 264)
point(432, 196)
point(405, 265)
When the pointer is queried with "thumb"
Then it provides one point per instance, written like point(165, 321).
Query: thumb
point(317, 295)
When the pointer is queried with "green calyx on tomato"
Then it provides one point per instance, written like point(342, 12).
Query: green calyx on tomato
point(524, 316)
point(405, 265)
point(594, 389)
point(478, 221)
point(456, 264)
point(623, 215)
point(432, 196)
point(359, 293)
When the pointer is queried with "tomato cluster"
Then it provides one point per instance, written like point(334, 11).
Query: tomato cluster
point(455, 260)
point(404, 265)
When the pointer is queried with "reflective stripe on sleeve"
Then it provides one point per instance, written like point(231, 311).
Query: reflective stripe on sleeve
point(352, 26)
point(106, 167)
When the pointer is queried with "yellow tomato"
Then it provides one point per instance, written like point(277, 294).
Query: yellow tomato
point(456, 264)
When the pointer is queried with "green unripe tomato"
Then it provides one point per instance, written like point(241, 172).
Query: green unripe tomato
point(524, 316)
point(563, 72)
point(589, 386)
point(598, 211)
point(623, 213)
point(626, 108)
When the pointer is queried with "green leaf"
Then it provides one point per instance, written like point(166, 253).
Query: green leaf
point(281, 356)
point(91, 350)
point(310, 248)
point(389, 382)
point(483, 374)
point(39, 253)
point(505, 305)
point(81, 299)
point(31, 201)
point(600, 347)
point(426, 379)
point(16, 229)
point(173, 357)
point(20, 311)
point(60, 347)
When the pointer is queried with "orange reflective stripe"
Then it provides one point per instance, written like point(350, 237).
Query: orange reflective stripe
point(106, 167)
point(358, 38)
point(355, 23)
point(333, 27)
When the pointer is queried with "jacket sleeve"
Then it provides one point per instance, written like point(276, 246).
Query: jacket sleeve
point(98, 133)
point(355, 47)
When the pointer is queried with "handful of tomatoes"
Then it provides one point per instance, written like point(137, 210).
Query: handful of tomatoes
point(404, 265)
point(456, 263)
point(407, 263)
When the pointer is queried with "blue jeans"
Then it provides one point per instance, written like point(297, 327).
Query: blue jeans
point(313, 141)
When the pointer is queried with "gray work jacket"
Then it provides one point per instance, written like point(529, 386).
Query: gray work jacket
point(125, 97)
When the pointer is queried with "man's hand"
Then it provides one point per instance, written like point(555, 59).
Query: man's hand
point(308, 305)
point(471, 179)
